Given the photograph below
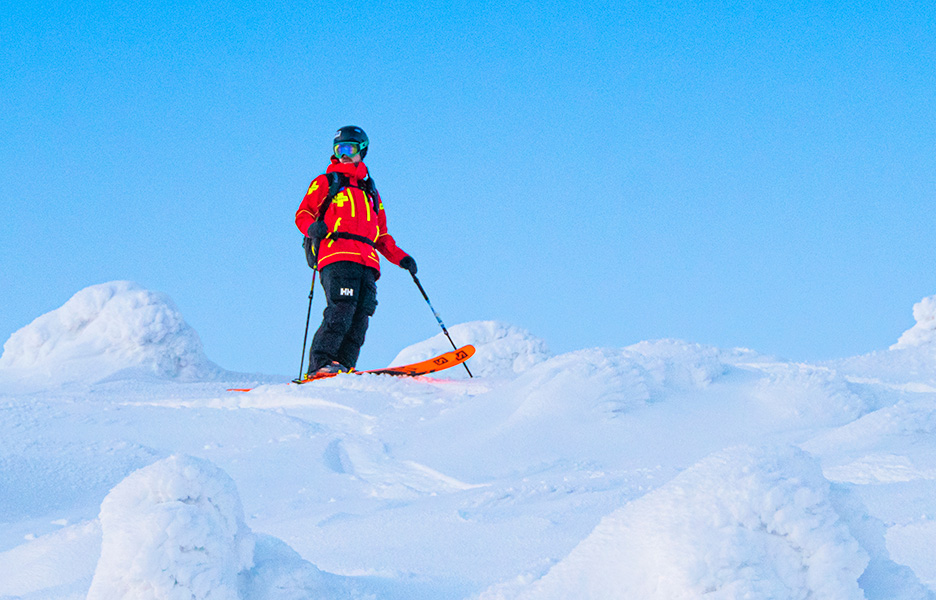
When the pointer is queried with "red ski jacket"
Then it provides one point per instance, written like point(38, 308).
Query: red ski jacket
point(350, 212)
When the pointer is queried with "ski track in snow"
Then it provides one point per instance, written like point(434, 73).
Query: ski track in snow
point(664, 469)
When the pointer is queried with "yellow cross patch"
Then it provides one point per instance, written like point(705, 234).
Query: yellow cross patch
point(341, 198)
point(312, 188)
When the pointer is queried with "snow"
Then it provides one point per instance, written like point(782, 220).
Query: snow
point(173, 529)
point(500, 349)
point(102, 330)
point(742, 523)
point(661, 469)
point(924, 332)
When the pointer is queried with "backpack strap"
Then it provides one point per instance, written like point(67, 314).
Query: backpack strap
point(370, 190)
point(336, 183)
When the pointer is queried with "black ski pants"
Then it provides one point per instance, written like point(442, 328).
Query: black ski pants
point(351, 292)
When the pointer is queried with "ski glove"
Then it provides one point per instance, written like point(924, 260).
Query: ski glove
point(409, 264)
point(317, 230)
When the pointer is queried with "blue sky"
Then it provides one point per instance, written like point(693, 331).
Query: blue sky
point(735, 174)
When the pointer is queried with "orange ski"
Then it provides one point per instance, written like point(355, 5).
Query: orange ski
point(432, 365)
point(439, 363)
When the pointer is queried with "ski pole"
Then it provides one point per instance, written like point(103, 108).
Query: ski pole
point(305, 338)
point(438, 318)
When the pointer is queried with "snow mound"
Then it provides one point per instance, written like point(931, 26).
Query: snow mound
point(678, 364)
point(924, 332)
point(501, 349)
point(173, 530)
point(616, 380)
point(104, 329)
point(742, 523)
point(806, 393)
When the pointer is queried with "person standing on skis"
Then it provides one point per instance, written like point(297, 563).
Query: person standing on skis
point(343, 218)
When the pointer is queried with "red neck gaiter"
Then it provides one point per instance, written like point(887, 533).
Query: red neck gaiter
point(353, 171)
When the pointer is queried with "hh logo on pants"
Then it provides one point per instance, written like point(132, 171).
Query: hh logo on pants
point(346, 291)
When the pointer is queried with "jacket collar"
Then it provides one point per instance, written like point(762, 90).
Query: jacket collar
point(353, 171)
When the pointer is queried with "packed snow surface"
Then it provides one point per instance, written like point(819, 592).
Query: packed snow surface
point(657, 470)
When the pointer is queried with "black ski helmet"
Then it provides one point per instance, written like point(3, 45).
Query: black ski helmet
point(351, 133)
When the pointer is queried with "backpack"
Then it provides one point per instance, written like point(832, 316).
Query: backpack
point(336, 183)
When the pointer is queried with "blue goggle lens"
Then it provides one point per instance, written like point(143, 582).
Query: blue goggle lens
point(347, 148)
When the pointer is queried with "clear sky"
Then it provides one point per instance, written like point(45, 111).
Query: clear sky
point(599, 173)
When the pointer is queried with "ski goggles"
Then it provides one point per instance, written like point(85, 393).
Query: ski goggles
point(347, 148)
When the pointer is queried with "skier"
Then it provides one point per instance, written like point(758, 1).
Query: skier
point(343, 217)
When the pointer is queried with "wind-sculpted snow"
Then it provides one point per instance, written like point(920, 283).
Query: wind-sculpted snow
point(369, 463)
point(662, 469)
point(589, 397)
point(104, 329)
point(679, 365)
point(905, 420)
point(808, 394)
point(616, 380)
point(908, 366)
point(173, 530)
point(907, 369)
point(742, 523)
point(501, 349)
point(924, 331)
